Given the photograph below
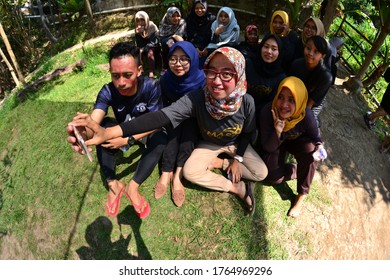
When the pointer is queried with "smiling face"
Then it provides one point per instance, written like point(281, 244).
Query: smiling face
point(312, 55)
point(200, 10)
point(175, 19)
point(124, 72)
point(270, 51)
point(285, 104)
point(218, 88)
point(176, 61)
point(309, 29)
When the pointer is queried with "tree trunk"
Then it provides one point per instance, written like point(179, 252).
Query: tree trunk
point(330, 13)
point(42, 17)
point(375, 48)
point(11, 54)
point(88, 10)
point(9, 67)
point(355, 84)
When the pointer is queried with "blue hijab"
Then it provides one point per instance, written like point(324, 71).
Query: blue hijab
point(174, 87)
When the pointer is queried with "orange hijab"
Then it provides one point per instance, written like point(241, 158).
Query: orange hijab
point(284, 17)
point(299, 92)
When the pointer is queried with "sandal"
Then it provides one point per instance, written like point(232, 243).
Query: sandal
point(145, 213)
point(249, 187)
point(115, 204)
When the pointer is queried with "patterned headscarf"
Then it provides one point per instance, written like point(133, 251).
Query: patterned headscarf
point(284, 17)
point(150, 27)
point(319, 25)
point(220, 109)
point(299, 92)
point(167, 28)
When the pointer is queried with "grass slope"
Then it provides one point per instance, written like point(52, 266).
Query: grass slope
point(52, 200)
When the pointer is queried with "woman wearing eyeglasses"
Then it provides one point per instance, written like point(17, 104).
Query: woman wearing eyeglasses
point(311, 27)
point(183, 76)
point(225, 116)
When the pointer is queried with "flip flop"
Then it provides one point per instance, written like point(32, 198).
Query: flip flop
point(249, 187)
point(115, 204)
point(145, 213)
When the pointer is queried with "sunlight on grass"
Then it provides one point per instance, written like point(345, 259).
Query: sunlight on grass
point(57, 197)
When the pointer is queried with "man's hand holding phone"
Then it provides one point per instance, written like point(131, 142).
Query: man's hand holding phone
point(77, 142)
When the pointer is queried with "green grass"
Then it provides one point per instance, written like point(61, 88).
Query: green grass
point(52, 199)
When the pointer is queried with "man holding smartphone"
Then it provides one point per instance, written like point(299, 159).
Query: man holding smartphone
point(129, 95)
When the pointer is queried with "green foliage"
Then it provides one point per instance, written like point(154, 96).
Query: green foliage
point(71, 6)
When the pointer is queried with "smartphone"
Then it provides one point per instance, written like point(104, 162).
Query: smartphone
point(80, 140)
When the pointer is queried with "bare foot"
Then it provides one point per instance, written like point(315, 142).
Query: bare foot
point(240, 190)
point(114, 189)
point(215, 163)
point(296, 209)
point(138, 201)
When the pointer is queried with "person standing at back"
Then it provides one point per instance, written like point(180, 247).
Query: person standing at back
point(250, 47)
point(225, 30)
point(311, 27)
point(172, 29)
point(146, 40)
point(199, 28)
point(280, 26)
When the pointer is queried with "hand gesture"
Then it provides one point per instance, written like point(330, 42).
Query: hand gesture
point(278, 123)
point(219, 29)
point(235, 170)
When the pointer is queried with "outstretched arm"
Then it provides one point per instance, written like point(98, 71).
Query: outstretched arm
point(143, 123)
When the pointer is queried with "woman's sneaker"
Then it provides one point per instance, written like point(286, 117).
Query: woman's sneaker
point(370, 123)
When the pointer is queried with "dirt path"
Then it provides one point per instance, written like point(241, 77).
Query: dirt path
point(357, 178)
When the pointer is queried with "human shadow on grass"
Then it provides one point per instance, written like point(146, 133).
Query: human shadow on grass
point(128, 217)
point(98, 237)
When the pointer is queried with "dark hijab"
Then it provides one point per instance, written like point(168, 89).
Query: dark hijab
point(175, 87)
point(270, 69)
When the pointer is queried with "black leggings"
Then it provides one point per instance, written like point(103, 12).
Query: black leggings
point(155, 144)
point(180, 145)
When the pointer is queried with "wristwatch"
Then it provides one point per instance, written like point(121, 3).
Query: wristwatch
point(239, 158)
point(131, 141)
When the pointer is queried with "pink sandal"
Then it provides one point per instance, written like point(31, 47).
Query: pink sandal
point(115, 204)
point(145, 213)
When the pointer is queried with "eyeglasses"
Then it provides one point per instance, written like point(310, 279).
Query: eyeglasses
point(182, 60)
point(309, 27)
point(225, 76)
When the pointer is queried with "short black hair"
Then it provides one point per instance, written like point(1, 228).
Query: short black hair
point(125, 49)
point(320, 43)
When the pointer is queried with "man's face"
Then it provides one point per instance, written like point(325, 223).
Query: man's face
point(124, 73)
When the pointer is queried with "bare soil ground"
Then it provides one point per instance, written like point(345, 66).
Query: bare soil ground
point(356, 176)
